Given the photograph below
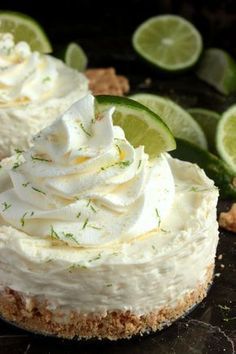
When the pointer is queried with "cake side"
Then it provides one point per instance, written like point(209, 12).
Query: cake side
point(33, 315)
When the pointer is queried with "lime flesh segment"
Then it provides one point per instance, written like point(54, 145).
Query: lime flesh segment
point(141, 125)
point(25, 28)
point(218, 69)
point(169, 42)
point(75, 57)
point(178, 120)
point(226, 137)
point(208, 121)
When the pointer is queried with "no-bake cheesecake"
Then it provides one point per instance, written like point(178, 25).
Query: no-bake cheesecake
point(96, 239)
point(34, 90)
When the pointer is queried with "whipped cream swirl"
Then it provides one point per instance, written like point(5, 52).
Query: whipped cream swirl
point(84, 184)
point(25, 76)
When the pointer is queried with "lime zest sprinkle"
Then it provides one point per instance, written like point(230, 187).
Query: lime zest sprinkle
point(88, 203)
point(121, 164)
point(46, 79)
point(53, 233)
point(224, 307)
point(124, 163)
point(153, 247)
point(96, 258)
point(118, 148)
point(78, 215)
point(229, 319)
point(75, 266)
point(93, 209)
point(25, 184)
point(22, 219)
point(36, 158)
point(85, 224)
point(108, 285)
point(16, 165)
point(70, 236)
point(163, 230)
point(115, 253)
point(6, 206)
point(95, 227)
point(84, 130)
point(158, 216)
point(139, 163)
point(19, 151)
point(38, 190)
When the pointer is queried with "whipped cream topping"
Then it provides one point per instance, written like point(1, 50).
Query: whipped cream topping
point(27, 76)
point(150, 273)
point(84, 184)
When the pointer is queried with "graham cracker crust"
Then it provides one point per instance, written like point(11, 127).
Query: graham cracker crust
point(34, 316)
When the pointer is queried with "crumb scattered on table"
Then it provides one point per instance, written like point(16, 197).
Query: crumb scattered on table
point(106, 82)
point(228, 220)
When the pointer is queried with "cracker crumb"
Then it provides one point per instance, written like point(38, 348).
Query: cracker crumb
point(227, 220)
point(105, 81)
point(220, 256)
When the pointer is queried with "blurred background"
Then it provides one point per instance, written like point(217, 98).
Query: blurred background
point(91, 22)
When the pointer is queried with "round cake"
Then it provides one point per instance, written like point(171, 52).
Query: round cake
point(96, 239)
point(34, 90)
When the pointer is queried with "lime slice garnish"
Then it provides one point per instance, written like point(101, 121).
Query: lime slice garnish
point(140, 124)
point(25, 28)
point(226, 137)
point(178, 120)
point(75, 57)
point(208, 121)
point(168, 41)
point(218, 69)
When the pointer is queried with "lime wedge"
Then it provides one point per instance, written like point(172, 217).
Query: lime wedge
point(226, 137)
point(208, 121)
point(218, 69)
point(141, 125)
point(25, 28)
point(75, 57)
point(169, 42)
point(178, 120)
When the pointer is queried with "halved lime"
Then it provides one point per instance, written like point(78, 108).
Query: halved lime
point(226, 137)
point(25, 28)
point(208, 121)
point(75, 57)
point(169, 42)
point(218, 69)
point(140, 124)
point(178, 120)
